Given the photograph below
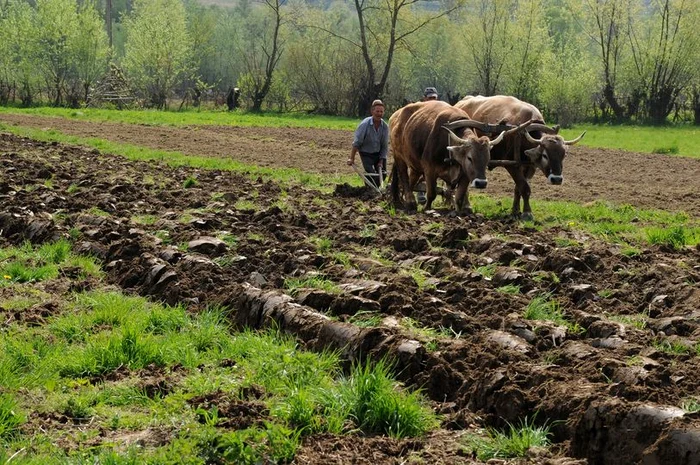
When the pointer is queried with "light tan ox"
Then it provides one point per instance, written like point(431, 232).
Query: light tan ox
point(544, 149)
point(422, 146)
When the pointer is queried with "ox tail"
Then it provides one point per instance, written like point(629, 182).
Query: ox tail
point(395, 184)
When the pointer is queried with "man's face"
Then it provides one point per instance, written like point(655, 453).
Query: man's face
point(378, 112)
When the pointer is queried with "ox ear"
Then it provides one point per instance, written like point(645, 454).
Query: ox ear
point(534, 154)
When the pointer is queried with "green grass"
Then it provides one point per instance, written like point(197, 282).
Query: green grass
point(293, 285)
point(543, 308)
point(487, 271)
point(365, 319)
point(514, 442)
point(673, 347)
point(323, 244)
point(10, 416)
point(638, 321)
point(512, 289)
point(377, 406)
point(28, 264)
point(691, 404)
point(421, 277)
point(678, 140)
point(623, 224)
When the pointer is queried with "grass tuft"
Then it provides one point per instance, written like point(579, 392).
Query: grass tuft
point(378, 407)
point(10, 417)
point(515, 442)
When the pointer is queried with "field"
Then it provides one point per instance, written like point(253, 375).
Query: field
point(589, 333)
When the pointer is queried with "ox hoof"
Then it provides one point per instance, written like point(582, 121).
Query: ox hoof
point(411, 207)
point(527, 216)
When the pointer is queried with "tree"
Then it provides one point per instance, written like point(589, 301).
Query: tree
point(662, 46)
point(90, 49)
point(607, 26)
point(261, 50)
point(382, 27)
point(490, 42)
point(436, 57)
point(158, 49)
point(57, 23)
point(18, 51)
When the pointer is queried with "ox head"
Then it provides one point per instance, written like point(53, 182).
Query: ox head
point(549, 153)
point(472, 154)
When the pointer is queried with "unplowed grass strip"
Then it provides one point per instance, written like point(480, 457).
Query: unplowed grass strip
point(678, 140)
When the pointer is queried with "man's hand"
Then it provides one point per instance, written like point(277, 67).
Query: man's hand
point(351, 162)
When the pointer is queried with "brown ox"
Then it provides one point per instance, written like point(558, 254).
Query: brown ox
point(422, 146)
point(544, 149)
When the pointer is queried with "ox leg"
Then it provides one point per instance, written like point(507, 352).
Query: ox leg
point(527, 211)
point(461, 199)
point(407, 187)
point(430, 189)
point(522, 190)
point(413, 179)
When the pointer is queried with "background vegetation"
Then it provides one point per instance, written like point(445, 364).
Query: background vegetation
point(578, 60)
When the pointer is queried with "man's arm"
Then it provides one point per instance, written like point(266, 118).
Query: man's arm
point(356, 142)
point(353, 152)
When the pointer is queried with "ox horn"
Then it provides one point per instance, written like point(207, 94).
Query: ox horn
point(452, 134)
point(545, 129)
point(466, 123)
point(531, 139)
point(574, 141)
point(500, 137)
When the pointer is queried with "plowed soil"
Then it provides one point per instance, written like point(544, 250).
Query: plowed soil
point(642, 180)
point(607, 385)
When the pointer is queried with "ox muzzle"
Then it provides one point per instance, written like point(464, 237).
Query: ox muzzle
point(555, 179)
point(479, 183)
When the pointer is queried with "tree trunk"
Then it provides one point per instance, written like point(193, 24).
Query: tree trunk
point(618, 110)
point(696, 106)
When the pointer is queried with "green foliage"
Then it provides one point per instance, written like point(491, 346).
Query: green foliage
point(515, 442)
point(158, 49)
point(105, 354)
point(323, 244)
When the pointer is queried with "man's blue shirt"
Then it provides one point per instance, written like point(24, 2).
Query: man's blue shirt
point(371, 140)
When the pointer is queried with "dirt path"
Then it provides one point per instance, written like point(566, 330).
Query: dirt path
point(642, 180)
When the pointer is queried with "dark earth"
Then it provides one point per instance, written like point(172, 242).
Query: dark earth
point(611, 392)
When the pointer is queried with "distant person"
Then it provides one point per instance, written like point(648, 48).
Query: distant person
point(372, 142)
point(430, 93)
